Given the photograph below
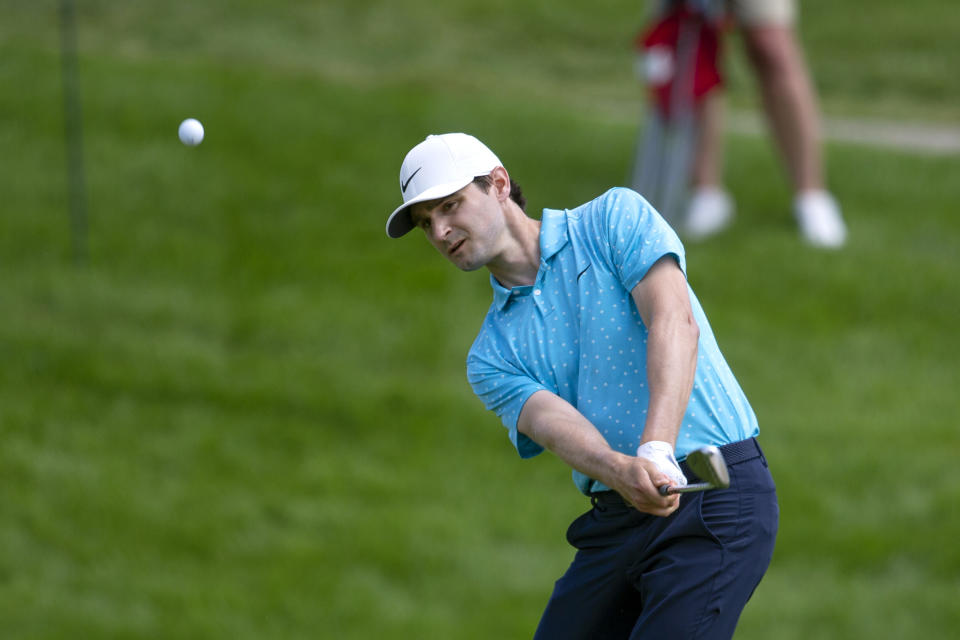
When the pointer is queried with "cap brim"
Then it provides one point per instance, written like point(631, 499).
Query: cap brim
point(399, 223)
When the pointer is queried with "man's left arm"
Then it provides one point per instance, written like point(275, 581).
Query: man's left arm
point(663, 301)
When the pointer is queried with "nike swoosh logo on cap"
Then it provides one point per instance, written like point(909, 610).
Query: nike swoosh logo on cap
point(406, 184)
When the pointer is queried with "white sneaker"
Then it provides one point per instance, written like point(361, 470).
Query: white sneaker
point(820, 220)
point(710, 211)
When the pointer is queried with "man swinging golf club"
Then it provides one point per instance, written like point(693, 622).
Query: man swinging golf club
point(596, 348)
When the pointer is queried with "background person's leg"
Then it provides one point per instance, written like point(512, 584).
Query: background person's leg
point(790, 105)
point(710, 209)
point(789, 101)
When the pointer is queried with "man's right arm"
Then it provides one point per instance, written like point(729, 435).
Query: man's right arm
point(555, 424)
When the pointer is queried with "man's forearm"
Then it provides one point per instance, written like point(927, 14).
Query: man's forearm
point(555, 424)
point(663, 300)
point(671, 365)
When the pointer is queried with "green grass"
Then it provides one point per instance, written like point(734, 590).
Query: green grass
point(247, 416)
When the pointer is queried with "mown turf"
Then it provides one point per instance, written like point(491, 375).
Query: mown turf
point(247, 415)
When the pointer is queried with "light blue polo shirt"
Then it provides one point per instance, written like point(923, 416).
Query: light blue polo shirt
point(576, 332)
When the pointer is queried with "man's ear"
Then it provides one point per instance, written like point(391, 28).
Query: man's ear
point(501, 183)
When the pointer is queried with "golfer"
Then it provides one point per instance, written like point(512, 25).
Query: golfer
point(596, 348)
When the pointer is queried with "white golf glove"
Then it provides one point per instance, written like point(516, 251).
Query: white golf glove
point(661, 454)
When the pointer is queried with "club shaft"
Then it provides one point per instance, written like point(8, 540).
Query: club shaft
point(690, 488)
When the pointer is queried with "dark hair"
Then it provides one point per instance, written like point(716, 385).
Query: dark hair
point(516, 193)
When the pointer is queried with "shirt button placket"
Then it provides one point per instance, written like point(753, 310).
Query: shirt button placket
point(539, 301)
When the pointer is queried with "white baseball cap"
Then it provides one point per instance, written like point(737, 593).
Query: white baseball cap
point(435, 168)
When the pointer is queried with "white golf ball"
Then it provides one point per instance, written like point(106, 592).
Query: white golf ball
point(191, 132)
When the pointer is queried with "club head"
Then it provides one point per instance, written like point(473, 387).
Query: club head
point(709, 465)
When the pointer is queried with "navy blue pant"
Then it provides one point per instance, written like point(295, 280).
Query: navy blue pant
point(685, 576)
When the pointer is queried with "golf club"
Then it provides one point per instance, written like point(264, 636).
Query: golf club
point(708, 464)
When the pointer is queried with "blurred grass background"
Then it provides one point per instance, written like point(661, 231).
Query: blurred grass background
point(247, 415)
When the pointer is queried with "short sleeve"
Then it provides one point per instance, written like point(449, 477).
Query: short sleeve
point(638, 236)
point(503, 390)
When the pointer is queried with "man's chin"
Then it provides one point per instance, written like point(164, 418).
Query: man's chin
point(467, 265)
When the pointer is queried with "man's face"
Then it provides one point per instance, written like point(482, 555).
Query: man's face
point(466, 226)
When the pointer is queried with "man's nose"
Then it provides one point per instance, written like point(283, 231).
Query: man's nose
point(440, 230)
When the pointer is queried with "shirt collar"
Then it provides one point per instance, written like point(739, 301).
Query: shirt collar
point(553, 233)
point(501, 295)
point(553, 237)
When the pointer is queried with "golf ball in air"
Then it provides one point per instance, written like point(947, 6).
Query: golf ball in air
point(191, 132)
